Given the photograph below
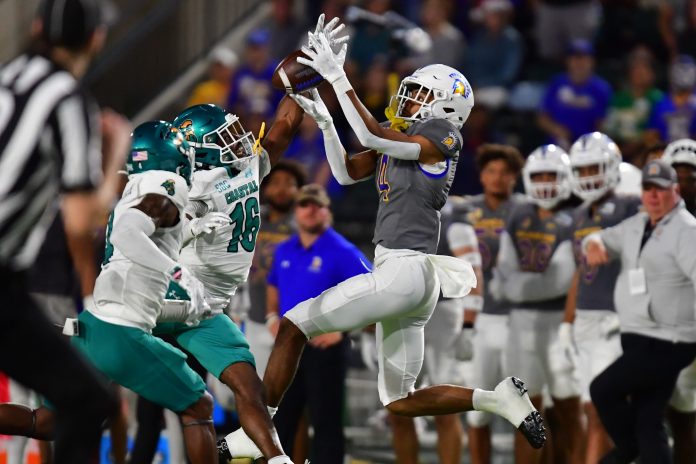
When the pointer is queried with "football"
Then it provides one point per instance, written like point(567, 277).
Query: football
point(294, 77)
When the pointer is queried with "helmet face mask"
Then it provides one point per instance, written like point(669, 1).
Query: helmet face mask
point(219, 137)
point(594, 150)
point(546, 176)
point(439, 91)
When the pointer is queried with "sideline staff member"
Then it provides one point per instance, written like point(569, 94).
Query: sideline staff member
point(654, 299)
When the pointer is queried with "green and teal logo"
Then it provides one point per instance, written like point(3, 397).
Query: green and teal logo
point(169, 187)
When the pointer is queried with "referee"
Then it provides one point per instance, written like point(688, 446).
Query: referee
point(51, 143)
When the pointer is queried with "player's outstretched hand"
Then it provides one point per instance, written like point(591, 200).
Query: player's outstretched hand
point(322, 59)
point(208, 223)
point(314, 107)
point(198, 307)
point(331, 30)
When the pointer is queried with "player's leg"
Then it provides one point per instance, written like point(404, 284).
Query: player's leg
point(20, 420)
point(489, 349)
point(404, 439)
point(599, 345)
point(157, 371)
point(41, 360)
point(219, 345)
point(681, 414)
point(523, 356)
point(564, 387)
point(394, 288)
point(439, 367)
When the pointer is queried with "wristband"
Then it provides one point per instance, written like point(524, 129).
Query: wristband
point(341, 85)
point(473, 302)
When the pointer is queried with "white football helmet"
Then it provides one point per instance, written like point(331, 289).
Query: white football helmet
point(547, 158)
point(445, 91)
point(594, 149)
point(682, 151)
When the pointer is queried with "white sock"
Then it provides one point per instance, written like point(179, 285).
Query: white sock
point(484, 400)
point(280, 460)
point(272, 412)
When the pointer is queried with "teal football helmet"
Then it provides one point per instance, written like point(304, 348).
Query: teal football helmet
point(159, 146)
point(218, 136)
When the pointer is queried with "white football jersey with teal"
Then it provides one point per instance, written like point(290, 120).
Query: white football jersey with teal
point(221, 260)
point(127, 293)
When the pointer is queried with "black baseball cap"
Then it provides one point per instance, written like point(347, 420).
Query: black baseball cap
point(658, 172)
point(71, 23)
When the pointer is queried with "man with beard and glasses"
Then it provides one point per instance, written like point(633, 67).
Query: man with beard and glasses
point(279, 191)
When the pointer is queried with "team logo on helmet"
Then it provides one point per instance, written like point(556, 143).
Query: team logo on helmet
point(169, 186)
point(459, 87)
point(186, 128)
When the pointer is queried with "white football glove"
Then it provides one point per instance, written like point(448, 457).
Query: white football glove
point(314, 107)
point(566, 343)
point(208, 223)
point(323, 60)
point(368, 350)
point(495, 286)
point(330, 30)
point(197, 308)
point(464, 345)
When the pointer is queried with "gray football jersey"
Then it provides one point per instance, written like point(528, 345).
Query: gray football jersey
point(596, 284)
point(535, 242)
point(270, 235)
point(411, 194)
point(489, 224)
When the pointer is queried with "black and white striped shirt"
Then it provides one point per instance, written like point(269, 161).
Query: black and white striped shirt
point(50, 141)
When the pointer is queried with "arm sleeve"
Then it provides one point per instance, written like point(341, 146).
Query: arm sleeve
point(335, 154)
point(521, 286)
point(131, 235)
point(401, 150)
point(612, 238)
point(461, 235)
point(78, 138)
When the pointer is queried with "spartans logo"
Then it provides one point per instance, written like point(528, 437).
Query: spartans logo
point(186, 129)
point(460, 86)
point(169, 187)
point(450, 141)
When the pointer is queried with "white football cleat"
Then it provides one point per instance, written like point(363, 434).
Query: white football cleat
point(238, 445)
point(515, 406)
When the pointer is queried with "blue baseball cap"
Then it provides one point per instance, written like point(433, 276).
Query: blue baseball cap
point(258, 37)
point(579, 47)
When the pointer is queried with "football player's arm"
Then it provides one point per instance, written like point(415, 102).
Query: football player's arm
point(463, 242)
point(521, 286)
point(133, 228)
point(384, 140)
point(288, 118)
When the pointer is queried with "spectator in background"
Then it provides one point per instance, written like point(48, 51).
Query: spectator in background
point(654, 297)
point(686, 40)
point(674, 117)
point(369, 40)
point(279, 189)
point(627, 24)
point(448, 42)
point(559, 22)
point(575, 102)
point(251, 94)
point(216, 89)
point(631, 106)
point(494, 57)
point(651, 152)
point(320, 258)
point(286, 30)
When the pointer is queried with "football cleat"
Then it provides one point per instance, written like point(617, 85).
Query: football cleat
point(238, 445)
point(515, 406)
